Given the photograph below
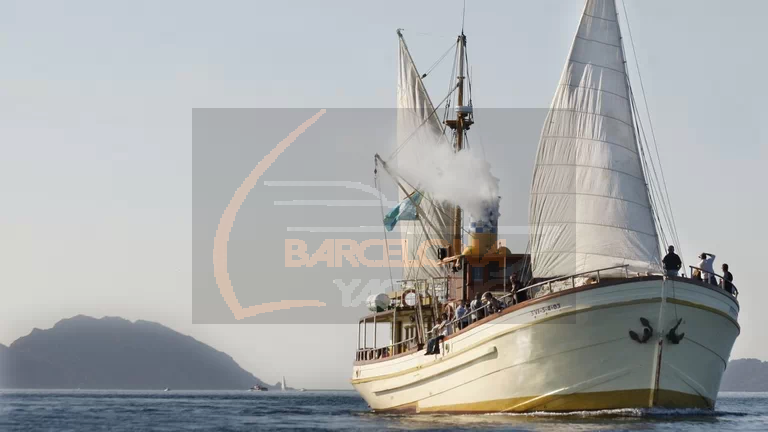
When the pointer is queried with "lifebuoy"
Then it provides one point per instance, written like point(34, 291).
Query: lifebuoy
point(405, 293)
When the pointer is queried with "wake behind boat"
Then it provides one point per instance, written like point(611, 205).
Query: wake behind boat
point(586, 319)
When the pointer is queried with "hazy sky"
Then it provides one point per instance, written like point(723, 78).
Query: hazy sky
point(96, 104)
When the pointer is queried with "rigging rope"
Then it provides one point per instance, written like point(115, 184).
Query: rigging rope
point(381, 201)
point(401, 146)
point(665, 195)
point(435, 64)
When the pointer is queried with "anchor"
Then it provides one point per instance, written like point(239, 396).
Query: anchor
point(647, 332)
point(672, 335)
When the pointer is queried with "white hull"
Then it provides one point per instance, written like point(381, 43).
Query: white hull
point(570, 351)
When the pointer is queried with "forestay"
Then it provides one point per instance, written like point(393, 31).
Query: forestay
point(419, 125)
point(590, 207)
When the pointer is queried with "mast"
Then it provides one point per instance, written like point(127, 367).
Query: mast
point(460, 126)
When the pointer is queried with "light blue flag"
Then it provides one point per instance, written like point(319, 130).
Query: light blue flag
point(406, 210)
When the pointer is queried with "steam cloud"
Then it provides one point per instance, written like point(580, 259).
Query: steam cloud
point(462, 178)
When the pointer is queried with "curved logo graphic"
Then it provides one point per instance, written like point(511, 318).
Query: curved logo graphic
point(226, 222)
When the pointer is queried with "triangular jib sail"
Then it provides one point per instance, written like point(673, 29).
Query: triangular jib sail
point(590, 207)
point(417, 122)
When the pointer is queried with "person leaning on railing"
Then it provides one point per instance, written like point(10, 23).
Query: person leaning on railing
point(439, 332)
point(477, 311)
point(493, 305)
point(672, 262)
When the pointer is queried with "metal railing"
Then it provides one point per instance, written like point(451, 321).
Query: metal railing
point(572, 278)
point(364, 354)
point(548, 283)
point(720, 281)
point(467, 317)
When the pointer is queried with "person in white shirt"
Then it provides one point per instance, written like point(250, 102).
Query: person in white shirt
point(707, 267)
point(447, 328)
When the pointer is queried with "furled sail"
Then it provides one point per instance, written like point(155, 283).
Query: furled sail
point(590, 207)
point(418, 130)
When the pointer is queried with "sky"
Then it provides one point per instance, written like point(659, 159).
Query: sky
point(96, 104)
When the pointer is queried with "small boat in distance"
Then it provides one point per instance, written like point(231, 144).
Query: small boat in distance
point(258, 388)
point(283, 387)
point(166, 389)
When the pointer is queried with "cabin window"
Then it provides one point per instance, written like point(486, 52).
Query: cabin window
point(494, 269)
point(477, 274)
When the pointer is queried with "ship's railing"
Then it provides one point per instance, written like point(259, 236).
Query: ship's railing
point(719, 280)
point(543, 288)
point(364, 354)
point(467, 319)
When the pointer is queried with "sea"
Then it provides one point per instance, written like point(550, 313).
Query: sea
point(90, 410)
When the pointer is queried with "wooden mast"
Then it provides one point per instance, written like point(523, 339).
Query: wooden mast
point(459, 127)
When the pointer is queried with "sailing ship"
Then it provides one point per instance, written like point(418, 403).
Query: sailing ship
point(595, 322)
point(282, 384)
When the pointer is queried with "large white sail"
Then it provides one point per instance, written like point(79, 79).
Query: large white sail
point(418, 130)
point(590, 207)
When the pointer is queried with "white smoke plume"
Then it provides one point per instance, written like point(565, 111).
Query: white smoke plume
point(462, 178)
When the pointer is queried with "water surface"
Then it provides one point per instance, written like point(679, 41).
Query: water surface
point(27, 410)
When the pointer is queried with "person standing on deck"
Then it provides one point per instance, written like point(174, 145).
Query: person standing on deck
point(476, 306)
point(672, 262)
point(462, 314)
point(707, 267)
point(727, 282)
point(514, 283)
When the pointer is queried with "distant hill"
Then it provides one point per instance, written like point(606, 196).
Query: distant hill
point(746, 375)
point(114, 353)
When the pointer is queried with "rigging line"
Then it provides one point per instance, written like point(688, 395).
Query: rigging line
point(666, 206)
point(435, 205)
point(451, 85)
point(419, 210)
point(421, 82)
point(646, 162)
point(655, 184)
point(661, 235)
point(652, 193)
point(648, 113)
point(386, 240)
point(401, 146)
point(428, 34)
point(469, 75)
point(643, 141)
point(442, 57)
